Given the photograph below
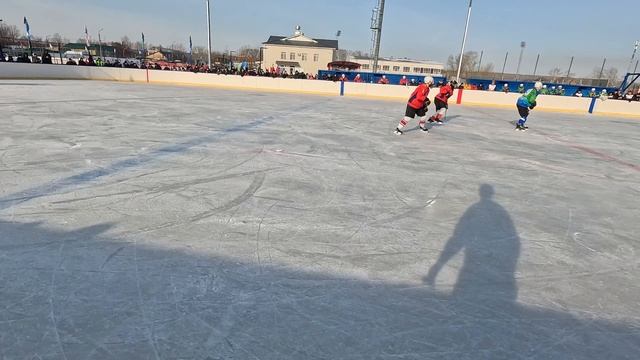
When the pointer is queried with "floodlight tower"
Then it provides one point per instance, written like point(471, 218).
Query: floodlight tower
point(376, 27)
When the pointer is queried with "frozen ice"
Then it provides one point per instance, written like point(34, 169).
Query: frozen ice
point(161, 222)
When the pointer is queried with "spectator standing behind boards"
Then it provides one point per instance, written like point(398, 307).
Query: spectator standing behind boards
point(343, 78)
point(505, 88)
point(578, 93)
point(560, 90)
point(383, 80)
point(404, 81)
point(592, 93)
point(492, 86)
point(46, 58)
point(553, 91)
point(521, 88)
point(545, 90)
point(604, 95)
point(358, 79)
point(616, 95)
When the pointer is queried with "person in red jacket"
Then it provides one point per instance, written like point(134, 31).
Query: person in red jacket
point(417, 105)
point(442, 103)
point(383, 80)
point(358, 79)
point(404, 81)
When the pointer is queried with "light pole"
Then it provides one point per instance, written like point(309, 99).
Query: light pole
point(464, 42)
point(100, 42)
point(535, 69)
point(570, 66)
point(1, 53)
point(209, 31)
point(505, 64)
point(522, 46)
point(480, 62)
point(602, 69)
point(633, 56)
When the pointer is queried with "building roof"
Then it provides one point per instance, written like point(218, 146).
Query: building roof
point(83, 45)
point(317, 43)
point(401, 60)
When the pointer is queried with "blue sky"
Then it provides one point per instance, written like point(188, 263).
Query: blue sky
point(558, 29)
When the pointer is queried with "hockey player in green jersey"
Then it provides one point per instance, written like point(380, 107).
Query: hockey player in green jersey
point(525, 103)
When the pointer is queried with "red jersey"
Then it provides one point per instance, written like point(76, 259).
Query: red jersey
point(445, 93)
point(419, 97)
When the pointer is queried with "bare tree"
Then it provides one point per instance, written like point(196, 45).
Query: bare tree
point(58, 39)
point(469, 62)
point(126, 43)
point(610, 74)
point(556, 73)
point(358, 53)
point(487, 68)
point(178, 47)
point(9, 32)
point(249, 52)
point(200, 54)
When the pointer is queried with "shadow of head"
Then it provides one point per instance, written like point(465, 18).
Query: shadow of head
point(85, 295)
point(486, 192)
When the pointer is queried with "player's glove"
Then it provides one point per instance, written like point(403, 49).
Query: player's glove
point(533, 105)
point(427, 102)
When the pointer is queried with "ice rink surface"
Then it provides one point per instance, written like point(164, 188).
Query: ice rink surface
point(160, 222)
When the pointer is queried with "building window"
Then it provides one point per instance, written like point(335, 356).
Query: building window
point(416, 70)
point(283, 56)
point(292, 56)
point(385, 68)
point(304, 57)
point(406, 69)
point(316, 57)
point(396, 68)
point(365, 66)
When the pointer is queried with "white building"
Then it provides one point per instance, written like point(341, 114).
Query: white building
point(400, 66)
point(298, 53)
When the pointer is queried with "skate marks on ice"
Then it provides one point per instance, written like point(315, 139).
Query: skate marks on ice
point(130, 163)
point(79, 294)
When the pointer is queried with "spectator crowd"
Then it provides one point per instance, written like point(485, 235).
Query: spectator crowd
point(278, 72)
point(221, 69)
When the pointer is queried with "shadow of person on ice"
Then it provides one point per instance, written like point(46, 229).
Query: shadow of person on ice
point(81, 293)
point(491, 245)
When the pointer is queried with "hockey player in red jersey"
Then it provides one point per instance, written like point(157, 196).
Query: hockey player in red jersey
point(417, 105)
point(442, 103)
